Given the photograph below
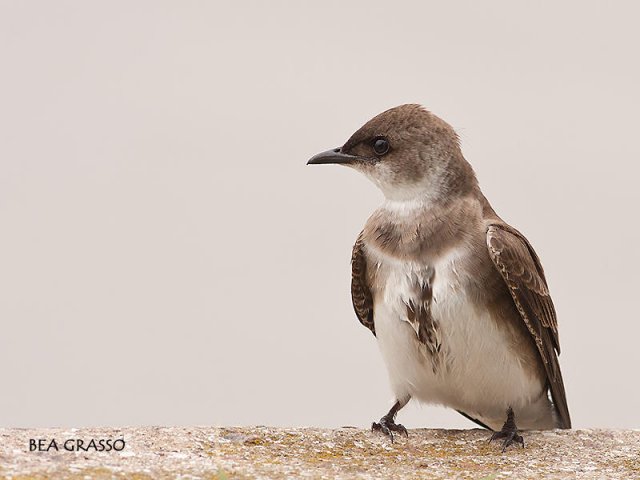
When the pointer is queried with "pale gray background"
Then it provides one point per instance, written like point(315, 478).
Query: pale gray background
point(166, 257)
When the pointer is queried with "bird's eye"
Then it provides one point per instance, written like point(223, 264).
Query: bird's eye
point(381, 145)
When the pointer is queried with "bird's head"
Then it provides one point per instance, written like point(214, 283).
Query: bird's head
point(408, 152)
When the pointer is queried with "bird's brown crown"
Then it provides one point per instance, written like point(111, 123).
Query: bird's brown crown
point(405, 122)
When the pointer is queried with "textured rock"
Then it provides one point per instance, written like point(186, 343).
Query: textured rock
point(263, 452)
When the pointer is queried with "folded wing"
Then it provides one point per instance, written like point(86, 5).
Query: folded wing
point(522, 272)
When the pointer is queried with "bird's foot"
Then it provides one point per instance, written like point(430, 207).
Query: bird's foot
point(387, 426)
point(509, 432)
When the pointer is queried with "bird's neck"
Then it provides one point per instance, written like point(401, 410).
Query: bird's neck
point(435, 192)
point(407, 205)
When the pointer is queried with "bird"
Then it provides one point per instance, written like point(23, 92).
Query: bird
point(456, 298)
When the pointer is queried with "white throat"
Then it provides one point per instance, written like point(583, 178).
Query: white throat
point(405, 207)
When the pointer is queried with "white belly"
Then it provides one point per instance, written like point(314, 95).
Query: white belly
point(478, 373)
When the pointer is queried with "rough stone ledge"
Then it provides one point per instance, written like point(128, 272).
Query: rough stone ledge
point(264, 452)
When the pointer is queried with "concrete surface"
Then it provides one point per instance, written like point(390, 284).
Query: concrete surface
point(264, 452)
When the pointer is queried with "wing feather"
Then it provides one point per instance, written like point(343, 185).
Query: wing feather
point(360, 291)
point(522, 272)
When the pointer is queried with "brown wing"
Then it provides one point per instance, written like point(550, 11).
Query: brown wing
point(521, 270)
point(360, 291)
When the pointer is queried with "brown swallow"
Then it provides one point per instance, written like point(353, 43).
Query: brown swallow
point(456, 298)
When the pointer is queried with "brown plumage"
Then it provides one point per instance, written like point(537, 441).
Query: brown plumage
point(522, 271)
point(360, 293)
point(456, 297)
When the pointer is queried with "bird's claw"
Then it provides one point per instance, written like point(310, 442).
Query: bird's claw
point(509, 432)
point(388, 426)
point(509, 439)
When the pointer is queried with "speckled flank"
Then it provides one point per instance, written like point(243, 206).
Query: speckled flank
point(263, 452)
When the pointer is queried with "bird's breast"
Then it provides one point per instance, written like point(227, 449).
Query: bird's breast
point(443, 346)
point(427, 297)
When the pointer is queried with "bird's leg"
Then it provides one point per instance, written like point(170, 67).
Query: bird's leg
point(509, 432)
point(387, 424)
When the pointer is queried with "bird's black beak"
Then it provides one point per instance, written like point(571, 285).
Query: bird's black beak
point(332, 156)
